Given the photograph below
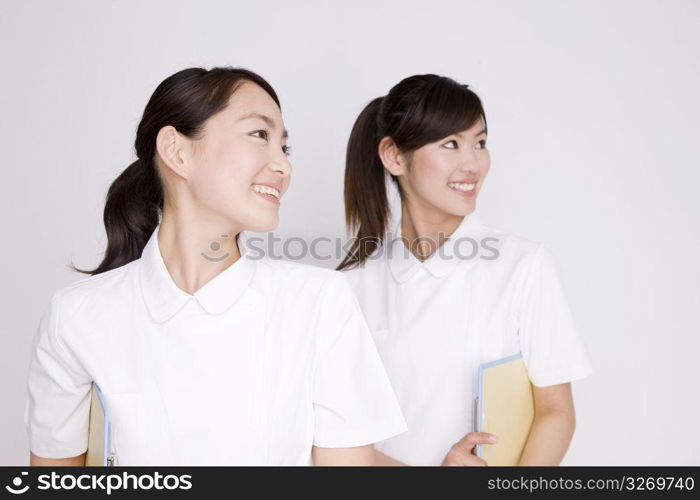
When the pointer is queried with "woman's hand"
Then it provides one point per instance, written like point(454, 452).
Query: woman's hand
point(462, 452)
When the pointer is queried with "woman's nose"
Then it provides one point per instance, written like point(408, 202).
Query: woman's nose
point(471, 162)
point(282, 166)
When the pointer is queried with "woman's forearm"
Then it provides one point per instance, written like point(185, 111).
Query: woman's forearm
point(37, 461)
point(385, 460)
point(549, 438)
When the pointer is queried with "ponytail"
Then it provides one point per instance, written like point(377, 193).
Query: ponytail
point(131, 215)
point(366, 204)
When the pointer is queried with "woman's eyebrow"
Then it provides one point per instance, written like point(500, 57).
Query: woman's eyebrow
point(483, 131)
point(270, 122)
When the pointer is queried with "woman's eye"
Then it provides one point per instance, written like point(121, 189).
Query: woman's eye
point(287, 150)
point(483, 143)
point(263, 132)
point(451, 142)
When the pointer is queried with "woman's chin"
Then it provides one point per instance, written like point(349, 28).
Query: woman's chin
point(460, 210)
point(263, 224)
point(466, 208)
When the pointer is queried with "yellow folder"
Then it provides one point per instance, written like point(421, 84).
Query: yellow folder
point(99, 430)
point(504, 406)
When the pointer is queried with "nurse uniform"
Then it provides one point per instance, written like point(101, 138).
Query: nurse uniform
point(259, 364)
point(483, 295)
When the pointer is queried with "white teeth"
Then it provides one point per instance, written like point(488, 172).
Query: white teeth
point(461, 186)
point(266, 190)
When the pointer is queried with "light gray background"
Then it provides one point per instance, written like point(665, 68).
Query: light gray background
point(594, 124)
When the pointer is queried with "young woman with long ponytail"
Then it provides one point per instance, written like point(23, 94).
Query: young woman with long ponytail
point(441, 291)
point(205, 353)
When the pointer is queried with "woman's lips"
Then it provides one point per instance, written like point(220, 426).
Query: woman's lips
point(466, 189)
point(268, 197)
point(269, 192)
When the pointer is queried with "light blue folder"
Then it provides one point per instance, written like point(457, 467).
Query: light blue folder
point(100, 432)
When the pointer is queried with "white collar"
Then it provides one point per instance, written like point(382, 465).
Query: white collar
point(164, 298)
point(440, 263)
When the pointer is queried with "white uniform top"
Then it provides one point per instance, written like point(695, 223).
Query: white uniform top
point(435, 321)
point(263, 361)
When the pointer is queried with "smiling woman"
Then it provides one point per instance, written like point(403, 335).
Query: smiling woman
point(436, 315)
point(205, 355)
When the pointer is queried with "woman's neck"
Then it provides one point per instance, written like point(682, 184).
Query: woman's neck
point(424, 231)
point(195, 249)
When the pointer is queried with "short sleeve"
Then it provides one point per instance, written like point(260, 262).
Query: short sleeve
point(57, 404)
point(551, 346)
point(354, 403)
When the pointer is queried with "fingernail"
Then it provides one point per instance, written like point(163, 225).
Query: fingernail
point(494, 439)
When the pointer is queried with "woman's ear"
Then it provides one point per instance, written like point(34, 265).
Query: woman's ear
point(391, 157)
point(172, 149)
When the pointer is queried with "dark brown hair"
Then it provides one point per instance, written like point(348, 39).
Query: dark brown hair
point(134, 202)
point(418, 110)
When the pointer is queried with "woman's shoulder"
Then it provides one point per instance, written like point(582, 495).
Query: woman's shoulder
point(291, 273)
point(93, 291)
point(301, 289)
point(511, 257)
point(509, 246)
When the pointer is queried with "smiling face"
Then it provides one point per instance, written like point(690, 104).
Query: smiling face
point(447, 175)
point(239, 168)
